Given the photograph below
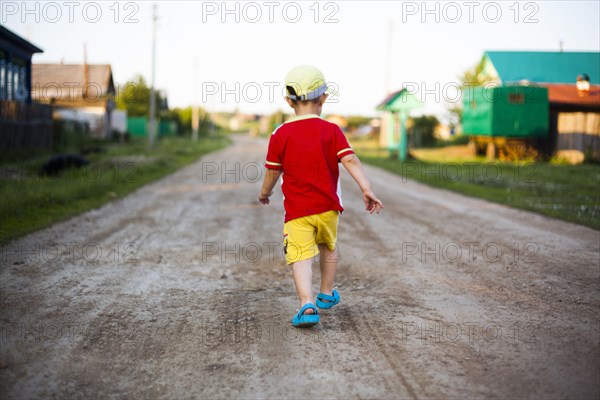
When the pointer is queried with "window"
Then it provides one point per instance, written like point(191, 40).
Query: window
point(2, 79)
point(516, 98)
point(21, 90)
point(9, 81)
point(13, 82)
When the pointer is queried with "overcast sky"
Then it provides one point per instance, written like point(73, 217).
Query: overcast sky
point(242, 51)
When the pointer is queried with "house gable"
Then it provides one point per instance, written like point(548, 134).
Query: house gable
point(66, 84)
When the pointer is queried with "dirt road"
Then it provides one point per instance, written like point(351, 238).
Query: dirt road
point(180, 291)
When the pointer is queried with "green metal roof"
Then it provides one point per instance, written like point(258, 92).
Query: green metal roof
point(398, 101)
point(546, 67)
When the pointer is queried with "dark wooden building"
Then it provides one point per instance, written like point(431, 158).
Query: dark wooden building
point(15, 66)
point(23, 123)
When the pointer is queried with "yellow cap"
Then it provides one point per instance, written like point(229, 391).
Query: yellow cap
point(305, 82)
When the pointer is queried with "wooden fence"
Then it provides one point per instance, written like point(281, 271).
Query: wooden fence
point(580, 131)
point(25, 126)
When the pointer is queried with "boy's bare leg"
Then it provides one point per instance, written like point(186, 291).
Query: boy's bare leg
point(302, 273)
point(329, 260)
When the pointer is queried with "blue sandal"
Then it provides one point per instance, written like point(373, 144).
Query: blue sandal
point(326, 301)
point(305, 321)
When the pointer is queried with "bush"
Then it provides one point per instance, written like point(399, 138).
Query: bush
point(460, 140)
point(422, 131)
point(70, 135)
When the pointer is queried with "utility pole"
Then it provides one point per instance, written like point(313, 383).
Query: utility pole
point(152, 120)
point(195, 122)
point(387, 120)
point(195, 113)
point(211, 115)
point(86, 72)
point(388, 57)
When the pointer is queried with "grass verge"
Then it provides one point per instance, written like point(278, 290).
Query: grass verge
point(567, 192)
point(31, 201)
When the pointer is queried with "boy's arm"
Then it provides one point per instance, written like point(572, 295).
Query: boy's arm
point(271, 178)
point(354, 167)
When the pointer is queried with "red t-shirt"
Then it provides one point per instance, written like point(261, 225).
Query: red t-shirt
point(308, 150)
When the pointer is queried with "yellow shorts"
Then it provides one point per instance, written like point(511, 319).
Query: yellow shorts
point(301, 236)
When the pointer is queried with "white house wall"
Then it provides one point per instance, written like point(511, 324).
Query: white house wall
point(93, 116)
point(119, 120)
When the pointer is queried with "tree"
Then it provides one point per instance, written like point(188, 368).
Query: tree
point(276, 119)
point(356, 121)
point(185, 118)
point(475, 75)
point(455, 114)
point(134, 97)
point(472, 77)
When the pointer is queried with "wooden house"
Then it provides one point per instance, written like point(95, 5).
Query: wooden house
point(24, 124)
point(79, 92)
point(573, 83)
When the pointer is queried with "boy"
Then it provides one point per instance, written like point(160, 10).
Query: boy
point(306, 151)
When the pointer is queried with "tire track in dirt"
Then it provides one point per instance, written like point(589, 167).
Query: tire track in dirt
point(184, 323)
point(379, 348)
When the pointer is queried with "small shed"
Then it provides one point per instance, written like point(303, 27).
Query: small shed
point(510, 111)
point(396, 108)
point(138, 126)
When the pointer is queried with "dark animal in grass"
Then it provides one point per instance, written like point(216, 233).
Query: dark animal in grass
point(60, 162)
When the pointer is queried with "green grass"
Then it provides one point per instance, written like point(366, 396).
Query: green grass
point(30, 201)
point(568, 192)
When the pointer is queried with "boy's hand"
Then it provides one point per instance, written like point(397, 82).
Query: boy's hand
point(264, 198)
point(271, 177)
point(372, 203)
point(354, 167)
